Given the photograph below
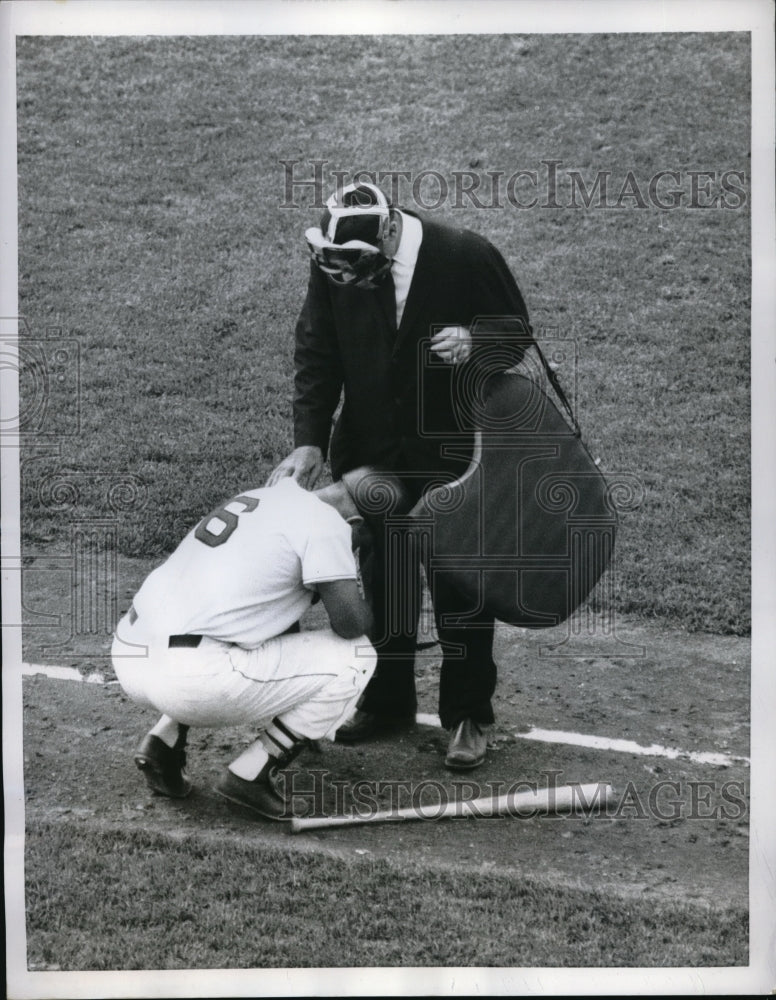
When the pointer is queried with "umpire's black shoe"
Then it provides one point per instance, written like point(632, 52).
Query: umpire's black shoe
point(365, 725)
point(467, 747)
point(259, 796)
point(163, 767)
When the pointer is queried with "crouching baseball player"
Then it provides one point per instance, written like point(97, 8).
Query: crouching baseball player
point(211, 640)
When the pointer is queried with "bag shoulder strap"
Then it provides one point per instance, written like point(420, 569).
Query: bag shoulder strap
point(558, 388)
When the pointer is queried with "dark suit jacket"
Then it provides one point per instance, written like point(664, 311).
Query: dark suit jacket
point(401, 404)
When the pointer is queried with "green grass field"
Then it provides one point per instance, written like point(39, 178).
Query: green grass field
point(152, 231)
point(308, 911)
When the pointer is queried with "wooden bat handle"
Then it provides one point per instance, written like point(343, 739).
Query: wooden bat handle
point(563, 798)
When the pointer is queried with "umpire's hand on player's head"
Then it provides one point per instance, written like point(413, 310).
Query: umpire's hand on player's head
point(304, 464)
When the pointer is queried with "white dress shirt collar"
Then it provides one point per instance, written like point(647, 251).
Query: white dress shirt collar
point(403, 266)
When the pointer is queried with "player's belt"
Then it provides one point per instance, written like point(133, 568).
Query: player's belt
point(174, 641)
point(184, 641)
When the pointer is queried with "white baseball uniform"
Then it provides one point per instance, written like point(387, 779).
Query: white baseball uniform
point(238, 580)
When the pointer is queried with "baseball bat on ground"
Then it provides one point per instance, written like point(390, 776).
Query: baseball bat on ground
point(560, 798)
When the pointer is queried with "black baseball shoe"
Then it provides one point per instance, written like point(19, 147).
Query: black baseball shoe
point(163, 767)
point(259, 796)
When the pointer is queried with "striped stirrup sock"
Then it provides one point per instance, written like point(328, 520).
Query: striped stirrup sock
point(280, 742)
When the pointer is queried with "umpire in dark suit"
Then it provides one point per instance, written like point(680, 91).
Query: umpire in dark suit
point(409, 317)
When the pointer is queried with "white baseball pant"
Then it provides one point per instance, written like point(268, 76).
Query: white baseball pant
point(309, 680)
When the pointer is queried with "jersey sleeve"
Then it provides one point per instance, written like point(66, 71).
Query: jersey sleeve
point(328, 554)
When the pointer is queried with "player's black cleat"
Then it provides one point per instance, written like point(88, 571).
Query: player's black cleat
point(163, 767)
point(259, 796)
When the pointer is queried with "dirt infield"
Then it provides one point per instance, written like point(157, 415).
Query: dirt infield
point(677, 828)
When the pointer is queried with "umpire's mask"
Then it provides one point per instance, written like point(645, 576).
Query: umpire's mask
point(346, 245)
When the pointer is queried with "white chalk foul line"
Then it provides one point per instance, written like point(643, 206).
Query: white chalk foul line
point(629, 746)
point(605, 743)
point(61, 673)
point(586, 740)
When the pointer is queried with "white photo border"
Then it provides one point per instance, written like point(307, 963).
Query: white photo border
point(211, 17)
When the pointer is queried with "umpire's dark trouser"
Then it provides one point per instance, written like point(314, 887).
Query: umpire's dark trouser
point(468, 677)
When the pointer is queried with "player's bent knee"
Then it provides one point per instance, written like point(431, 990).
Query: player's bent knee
point(360, 653)
point(366, 652)
point(366, 660)
point(355, 656)
point(353, 650)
